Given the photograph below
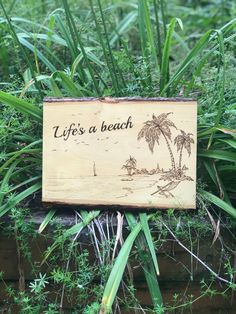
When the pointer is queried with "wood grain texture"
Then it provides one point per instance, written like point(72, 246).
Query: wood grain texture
point(127, 152)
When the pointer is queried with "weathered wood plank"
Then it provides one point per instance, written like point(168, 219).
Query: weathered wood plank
point(205, 305)
point(174, 262)
point(128, 152)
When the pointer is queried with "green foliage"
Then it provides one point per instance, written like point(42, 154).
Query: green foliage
point(118, 268)
point(147, 256)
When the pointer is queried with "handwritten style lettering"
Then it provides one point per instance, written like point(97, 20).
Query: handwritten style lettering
point(117, 126)
point(71, 130)
point(76, 129)
point(92, 129)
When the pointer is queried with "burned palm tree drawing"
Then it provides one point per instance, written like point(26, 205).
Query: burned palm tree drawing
point(130, 165)
point(154, 129)
point(161, 127)
point(183, 141)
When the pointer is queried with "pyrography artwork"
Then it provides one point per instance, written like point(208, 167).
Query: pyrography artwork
point(128, 152)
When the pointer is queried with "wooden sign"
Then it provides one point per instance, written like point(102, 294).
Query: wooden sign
point(128, 152)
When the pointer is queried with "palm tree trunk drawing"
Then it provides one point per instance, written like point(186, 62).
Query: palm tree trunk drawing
point(180, 157)
point(170, 152)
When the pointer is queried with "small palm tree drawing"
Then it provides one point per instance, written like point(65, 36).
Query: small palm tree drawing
point(154, 129)
point(182, 141)
point(130, 165)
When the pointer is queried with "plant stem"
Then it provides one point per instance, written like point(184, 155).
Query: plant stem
point(111, 70)
point(158, 31)
point(113, 64)
point(195, 256)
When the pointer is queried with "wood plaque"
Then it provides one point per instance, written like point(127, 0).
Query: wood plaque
point(132, 152)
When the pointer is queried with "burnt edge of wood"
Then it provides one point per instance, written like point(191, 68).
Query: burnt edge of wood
point(116, 100)
point(111, 208)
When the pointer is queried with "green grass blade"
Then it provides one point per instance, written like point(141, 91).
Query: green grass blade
point(22, 106)
point(190, 58)
point(107, 54)
point(6, 179)
point(228, 27)
point(54, 87)
point(87, 218)
point(147, 233)
point(144, 43)
point(79, 58)
point(27, 149)
point(47, 220)
point(227, 168)
point(231, 143)
point(142, 31)
point(147, 263)
point(152, 282)
point(163, 17)
point(216, 178)
point(150, 33)
point(114, 65)
point(210, 169)
point(53, 38)
point(166, 55)
point(70, 87)
point(204, 59)
point(220, 203)
point(147, 40)
point(77, 38)
point(14, 155)
point(26, 182)
point(115, 277)
point(71, 24)
point(40, 55)
point(158, 27)
point(104, 49)
point(66, 35)
point(218, 154)
point(13, 201)
point(26, 56)
point(69, 42)
point(220, 78)
point(10, 173)
point(123, 27)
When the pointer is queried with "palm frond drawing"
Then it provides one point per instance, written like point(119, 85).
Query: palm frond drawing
point(183, 141)
point(153, 129)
